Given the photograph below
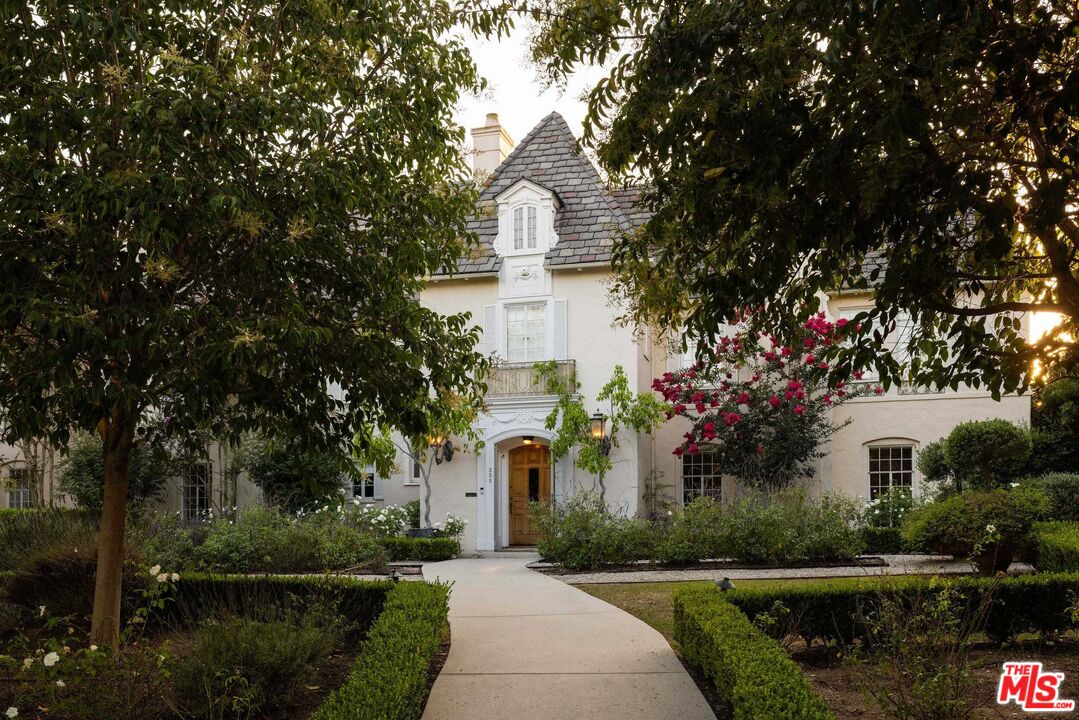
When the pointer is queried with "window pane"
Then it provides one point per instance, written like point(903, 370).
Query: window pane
point(890, 467)
point(518, 229)
point(526, 328)
point(700, 477)
point(531, 227)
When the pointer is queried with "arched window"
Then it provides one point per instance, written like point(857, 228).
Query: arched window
point(524, 227)
point(890, 465)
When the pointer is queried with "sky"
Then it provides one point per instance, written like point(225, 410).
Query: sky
point(515, 91)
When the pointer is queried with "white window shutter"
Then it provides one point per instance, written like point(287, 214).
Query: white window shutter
point(489, 341)
point(557, 320)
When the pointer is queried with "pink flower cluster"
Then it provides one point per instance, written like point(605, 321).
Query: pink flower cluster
point(749, 381)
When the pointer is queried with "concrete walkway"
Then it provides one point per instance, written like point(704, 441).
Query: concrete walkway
point(528, 646)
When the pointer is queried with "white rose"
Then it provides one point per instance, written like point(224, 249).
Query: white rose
point(27, 663)
point(175, 577)
point(155, 569)
point(51, 659)
point(163, 577)
point(991, 528)
point(93, 648)
point(11, 712)
point(41, 611)
point(60, 684)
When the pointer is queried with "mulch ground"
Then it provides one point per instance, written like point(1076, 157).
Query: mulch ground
point(842, 684)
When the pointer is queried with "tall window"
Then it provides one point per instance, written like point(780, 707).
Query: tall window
point(890, 466)
point(700, 477)
point(524, 227)
point(196, 490)
point(363, 486)
point(526, 332)
point(414, 475)
point(18, 496)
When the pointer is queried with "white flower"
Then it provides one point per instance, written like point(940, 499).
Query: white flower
point(60, 684)
point(11, 712)
point(51, 659)
point(1014, 485)
point(155, 569)
point(27, 663)
point(41, 611)
point(93, 648)
point(163, 577)
point(991, 528)
point(175, 577)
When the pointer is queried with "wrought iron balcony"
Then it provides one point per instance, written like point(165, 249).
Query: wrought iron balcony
point(508, 379)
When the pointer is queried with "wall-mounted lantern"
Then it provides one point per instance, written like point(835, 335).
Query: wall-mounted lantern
point(599, 432)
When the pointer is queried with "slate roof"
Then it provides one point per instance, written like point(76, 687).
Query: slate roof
point(591, 216)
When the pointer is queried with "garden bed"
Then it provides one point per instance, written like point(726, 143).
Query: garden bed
point(549, 568)
point(245, 646)
point(840, 683)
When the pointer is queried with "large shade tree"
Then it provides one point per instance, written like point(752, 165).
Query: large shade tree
point(214, 209)
point(925, 151)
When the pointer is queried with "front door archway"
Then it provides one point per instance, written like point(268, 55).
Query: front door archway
point(529, 481)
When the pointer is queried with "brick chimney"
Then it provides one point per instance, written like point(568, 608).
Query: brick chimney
point(491, 145)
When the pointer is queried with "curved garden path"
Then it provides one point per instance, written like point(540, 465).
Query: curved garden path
point(528, 646)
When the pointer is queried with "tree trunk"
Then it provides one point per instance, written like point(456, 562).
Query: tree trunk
point(426, 499)
point(117, 435)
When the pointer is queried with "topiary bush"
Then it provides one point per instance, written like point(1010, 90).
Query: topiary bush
point(753, 676)
point(933, 465)
point(988, 526)
point(986, 453)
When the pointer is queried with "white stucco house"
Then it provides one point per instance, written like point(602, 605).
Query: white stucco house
point(538, 285)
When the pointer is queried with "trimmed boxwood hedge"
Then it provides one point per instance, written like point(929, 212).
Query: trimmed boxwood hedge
point(1057, 546)
point(754, 677)
point(828, 610)
point(883, 540)
point(425, 549)
point(389, 679)
point(360, 601)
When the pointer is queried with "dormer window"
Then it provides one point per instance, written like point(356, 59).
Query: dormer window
point(524, 227)
point(526, 219)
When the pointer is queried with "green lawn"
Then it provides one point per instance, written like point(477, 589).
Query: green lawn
point(652, 602)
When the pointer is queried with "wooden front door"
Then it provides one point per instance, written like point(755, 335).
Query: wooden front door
point(530, 481)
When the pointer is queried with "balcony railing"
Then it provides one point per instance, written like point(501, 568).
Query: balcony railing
point(520, 379)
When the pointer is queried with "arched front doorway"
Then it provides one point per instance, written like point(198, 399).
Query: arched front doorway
point(529, 481)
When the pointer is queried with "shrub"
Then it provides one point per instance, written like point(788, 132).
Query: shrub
point(293, 477)
point(583, 533)
point(339, 547)
point(82, 473)
point(165, 541)
point(695, 534)
point(829, 610)
point(389, 679)
point(889, 509)
point(243, 665)
point(248, 544)
point(976, 523)
point(987, 453)
point(1063, 492)
point(883, 540)
point(932, 463)
point(1055, 433)
point(789, 527)
point(380, 521)
point(1057, 546)
point(24, 532)
point(422, 549)
point(754, 677)
point(412, 508)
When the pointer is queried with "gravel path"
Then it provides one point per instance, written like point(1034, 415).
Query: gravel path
point(896, 565)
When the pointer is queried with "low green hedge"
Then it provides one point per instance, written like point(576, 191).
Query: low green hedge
point(883, 540)
point(360, 601)
point(425, 549)
point(753, 676)
point(1057, 546)
point(389, 679)
point(828, 610)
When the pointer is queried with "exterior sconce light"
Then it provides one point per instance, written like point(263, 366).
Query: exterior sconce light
point(443, 449)
point(527, 439)
point(599, 432)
